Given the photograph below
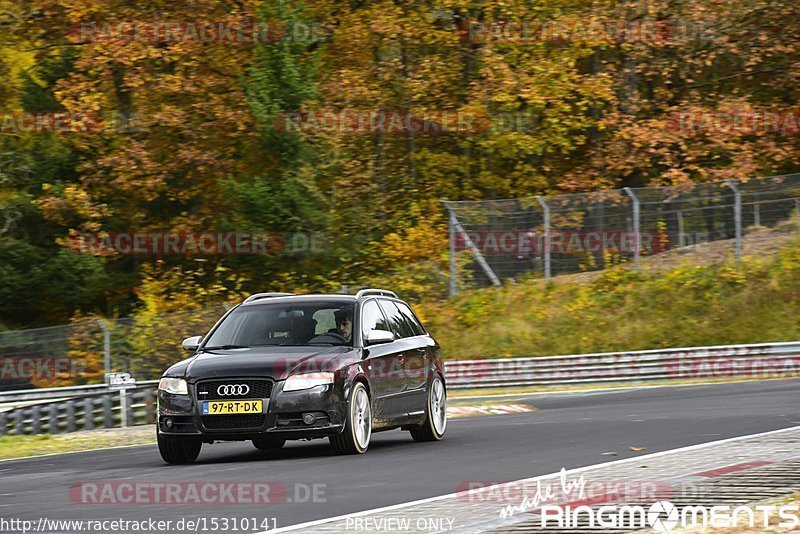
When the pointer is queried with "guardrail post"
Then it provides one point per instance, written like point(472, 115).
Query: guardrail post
point(123, 408)
point(19, 422)
point(3, 424)
point(108, 414)
point(106, 348)
point(53, 414)
point(546, 243)
point(149, 406)
point(36, 417)
point(637, 237)
point(737, 217)
point(70, 416)
point(681, 232)
point(88, 413)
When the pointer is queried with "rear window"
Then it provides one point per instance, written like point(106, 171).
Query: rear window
point(397, 321)
point(411, 318)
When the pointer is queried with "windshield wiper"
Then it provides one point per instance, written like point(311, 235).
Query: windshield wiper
point(227, 347)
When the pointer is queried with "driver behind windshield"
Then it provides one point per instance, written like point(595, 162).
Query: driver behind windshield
point(344, 323)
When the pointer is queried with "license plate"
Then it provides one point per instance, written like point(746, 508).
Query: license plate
point(232, 407)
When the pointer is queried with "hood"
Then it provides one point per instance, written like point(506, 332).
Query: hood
point(274, 362)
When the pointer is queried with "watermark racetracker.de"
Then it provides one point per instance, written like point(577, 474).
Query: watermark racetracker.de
point(202, 493)
point(737, 120)
point(580, 29)
point(15, 368)
point(223, 31)
point(195, 243)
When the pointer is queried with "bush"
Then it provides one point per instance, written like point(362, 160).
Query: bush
point(620, 310)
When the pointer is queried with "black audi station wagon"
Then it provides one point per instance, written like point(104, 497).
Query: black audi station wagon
point(284, 367)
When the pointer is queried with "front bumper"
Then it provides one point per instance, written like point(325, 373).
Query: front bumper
point(282, 420)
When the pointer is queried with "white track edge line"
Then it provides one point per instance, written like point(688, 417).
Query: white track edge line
point(614, 389)
point(540, 477)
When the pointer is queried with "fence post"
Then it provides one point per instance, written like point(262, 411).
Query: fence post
point(546, 210)
point(106, 348)
point(452, 228)
point(70, 416)
point(88, 413)
point(475, 251)
point(637, 238)
point(737, 217)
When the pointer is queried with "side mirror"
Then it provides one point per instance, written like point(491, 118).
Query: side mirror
point(376, 337)
point(191, 343)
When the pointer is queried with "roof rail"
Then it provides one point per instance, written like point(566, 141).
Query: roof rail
point(382, 292)
point(259, 296)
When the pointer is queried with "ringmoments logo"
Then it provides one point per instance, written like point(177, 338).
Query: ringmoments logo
point(664, 516)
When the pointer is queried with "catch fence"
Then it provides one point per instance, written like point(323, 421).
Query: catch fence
point(563, 234)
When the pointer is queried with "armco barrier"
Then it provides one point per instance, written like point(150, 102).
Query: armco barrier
point(87, 412)
point(766, 360)
point(23, 395)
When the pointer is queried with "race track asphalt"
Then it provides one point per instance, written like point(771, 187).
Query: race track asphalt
point(567, 430)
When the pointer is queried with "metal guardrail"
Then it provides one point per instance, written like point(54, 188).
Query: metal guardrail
point(759, 361)
point(58, 392)
point(94, 410)
point(764, 360)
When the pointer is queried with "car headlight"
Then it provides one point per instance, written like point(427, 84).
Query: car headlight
point(307, 380)
point(176, 386)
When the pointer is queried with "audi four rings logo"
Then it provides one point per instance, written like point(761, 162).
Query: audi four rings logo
point(233, 390)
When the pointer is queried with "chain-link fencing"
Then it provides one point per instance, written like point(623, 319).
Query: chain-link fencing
point(82, 353)
point(563, 234)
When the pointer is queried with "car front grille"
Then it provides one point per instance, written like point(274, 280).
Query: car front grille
point(233, 422)
point(259, 389)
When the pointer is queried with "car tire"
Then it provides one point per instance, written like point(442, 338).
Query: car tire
point(435, 424)
point(268, 444)
point(357, 431)
point(179, 451)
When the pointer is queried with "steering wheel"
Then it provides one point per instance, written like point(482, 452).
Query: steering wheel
point(334, 335)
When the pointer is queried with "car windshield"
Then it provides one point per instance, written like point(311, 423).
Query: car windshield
point(317, 323)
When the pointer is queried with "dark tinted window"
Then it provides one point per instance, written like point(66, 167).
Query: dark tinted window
point(411, 318)
point(397, 321)
point(372, 318)
point(288, 323)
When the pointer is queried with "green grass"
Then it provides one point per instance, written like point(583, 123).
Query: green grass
point(24, 446)
point(621, 310)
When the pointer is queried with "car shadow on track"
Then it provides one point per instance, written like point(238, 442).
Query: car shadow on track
point(296, 450)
